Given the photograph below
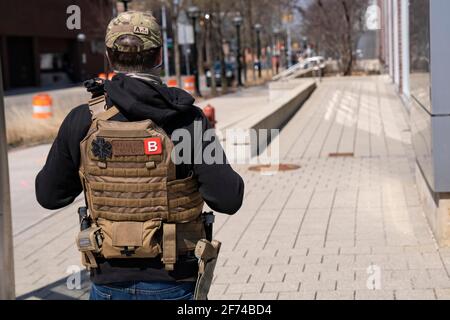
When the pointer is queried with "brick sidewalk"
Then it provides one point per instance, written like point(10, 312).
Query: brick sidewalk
point(307, 234)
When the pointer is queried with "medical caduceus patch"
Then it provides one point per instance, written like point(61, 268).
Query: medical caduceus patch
point(102, 149)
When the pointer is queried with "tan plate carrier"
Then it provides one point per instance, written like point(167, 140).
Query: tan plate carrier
point(138, 208)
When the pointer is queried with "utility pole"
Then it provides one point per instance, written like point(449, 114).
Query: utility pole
point(166, 49)
point(7, 289)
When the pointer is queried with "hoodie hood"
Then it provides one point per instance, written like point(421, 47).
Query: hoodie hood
point(138, 99)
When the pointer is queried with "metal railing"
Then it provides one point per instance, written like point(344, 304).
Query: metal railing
point(289, 72)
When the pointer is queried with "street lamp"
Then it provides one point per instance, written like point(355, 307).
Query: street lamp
point(194, 14)
point(238, 23)
point(258, 28)
point(276, 32)
point(81, 38)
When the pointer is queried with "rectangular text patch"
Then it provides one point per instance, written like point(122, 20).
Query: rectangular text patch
point(153, 146)
point(127, 148)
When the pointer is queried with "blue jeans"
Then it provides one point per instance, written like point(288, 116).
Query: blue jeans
point(144, 291)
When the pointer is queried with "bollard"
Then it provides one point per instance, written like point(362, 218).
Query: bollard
point(42, 106)
point(189, 84)
point(210, 113)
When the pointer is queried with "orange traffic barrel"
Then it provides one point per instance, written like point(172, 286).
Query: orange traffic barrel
point(42, 106)
point(172, 83)
point(105, 76)
point(189, 84)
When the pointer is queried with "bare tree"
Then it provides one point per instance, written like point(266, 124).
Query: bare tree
point(175, 7)
point(219, 28)
point(336, 25)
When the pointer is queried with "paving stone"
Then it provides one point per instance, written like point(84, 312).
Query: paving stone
point(415, 295)
point(310, 295)
point(244, 288)
point(290, 286)
point(335, 295)
point(260, 296)
point(374, 295)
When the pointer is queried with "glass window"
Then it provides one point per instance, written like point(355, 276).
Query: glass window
point(419, 19)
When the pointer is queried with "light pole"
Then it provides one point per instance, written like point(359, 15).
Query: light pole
point(238, 23)
point(194, 14)
point(276, 32)
point(7, 290)
point(258, 28)
point(125, 4)
point(287, 20)
point(166, 44)
point(81, 38)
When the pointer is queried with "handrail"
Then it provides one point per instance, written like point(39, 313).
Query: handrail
point(288, 71)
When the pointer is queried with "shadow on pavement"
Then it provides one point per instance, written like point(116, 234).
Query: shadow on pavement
point(59, 291)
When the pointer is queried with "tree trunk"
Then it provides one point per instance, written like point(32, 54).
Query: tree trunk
point(349, 40)
point(223, 66)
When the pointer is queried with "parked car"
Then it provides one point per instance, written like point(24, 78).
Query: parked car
point(314, 62)
point(218, 75)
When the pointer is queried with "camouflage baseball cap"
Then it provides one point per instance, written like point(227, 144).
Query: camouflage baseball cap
point(140, 24)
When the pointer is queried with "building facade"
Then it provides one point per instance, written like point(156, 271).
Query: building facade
point(38, 49)
point(415, 50)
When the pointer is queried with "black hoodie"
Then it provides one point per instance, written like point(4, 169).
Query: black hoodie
point(58, 184)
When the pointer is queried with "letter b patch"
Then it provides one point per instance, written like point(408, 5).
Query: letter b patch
point(153, 146)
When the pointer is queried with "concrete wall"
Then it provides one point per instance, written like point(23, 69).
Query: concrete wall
point(296, 93)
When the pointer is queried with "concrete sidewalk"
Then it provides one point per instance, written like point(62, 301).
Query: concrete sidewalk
point(44, 240)
point(348, 220)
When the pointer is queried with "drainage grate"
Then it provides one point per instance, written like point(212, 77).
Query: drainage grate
point(281, 167)
point(342, 155)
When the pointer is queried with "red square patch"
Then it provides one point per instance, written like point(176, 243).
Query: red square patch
point(153, 146)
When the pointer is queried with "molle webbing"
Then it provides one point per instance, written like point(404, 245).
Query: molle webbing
point(124, 173)
point(130, 159)
point(130, 184)
point(131, 187)
point(129, 203)
point(173, 207)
